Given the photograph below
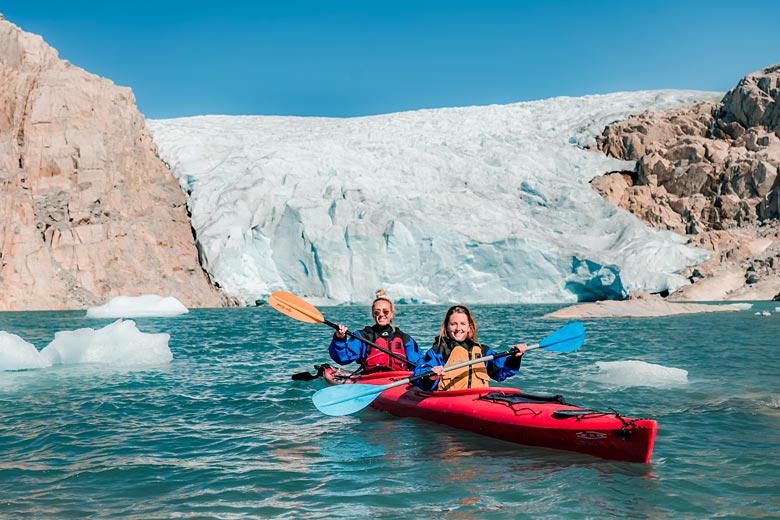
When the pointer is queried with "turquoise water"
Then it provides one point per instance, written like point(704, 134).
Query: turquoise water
point(223, 432)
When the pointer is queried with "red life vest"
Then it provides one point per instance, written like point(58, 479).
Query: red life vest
point(378, 361)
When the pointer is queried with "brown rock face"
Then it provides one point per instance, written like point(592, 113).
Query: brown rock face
point(685, 154)
point(755, 101)
point(710, 171)
point(87, 209)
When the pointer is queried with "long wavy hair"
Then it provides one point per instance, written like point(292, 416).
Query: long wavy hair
point(462, 309)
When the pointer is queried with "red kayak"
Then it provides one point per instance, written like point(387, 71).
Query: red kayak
point(511, 415)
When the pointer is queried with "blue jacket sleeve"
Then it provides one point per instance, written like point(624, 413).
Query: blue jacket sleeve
point(430, 360)
point(413, 352)
point(346, 350)
point(502, 368)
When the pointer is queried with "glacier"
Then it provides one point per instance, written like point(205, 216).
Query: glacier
point(487, 204)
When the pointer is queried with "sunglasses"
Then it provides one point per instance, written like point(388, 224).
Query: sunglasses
point(379, 312)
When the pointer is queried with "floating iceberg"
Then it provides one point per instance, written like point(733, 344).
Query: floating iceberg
point(138, 307)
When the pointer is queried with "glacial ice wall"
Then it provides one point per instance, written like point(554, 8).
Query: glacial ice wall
point(476, 204)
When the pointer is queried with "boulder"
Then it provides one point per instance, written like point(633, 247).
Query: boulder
point(755, 101)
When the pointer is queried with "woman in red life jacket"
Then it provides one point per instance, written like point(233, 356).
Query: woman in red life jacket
point(345, 350)
point(457, 342)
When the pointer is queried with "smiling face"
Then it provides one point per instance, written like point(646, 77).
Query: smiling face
point(458, 327)
point(382, 311)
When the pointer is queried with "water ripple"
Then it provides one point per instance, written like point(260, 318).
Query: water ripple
point(223, 432)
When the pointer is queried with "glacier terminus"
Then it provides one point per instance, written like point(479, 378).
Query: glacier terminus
point(487, 204)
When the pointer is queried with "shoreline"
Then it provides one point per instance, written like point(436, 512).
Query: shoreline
point(643, 307)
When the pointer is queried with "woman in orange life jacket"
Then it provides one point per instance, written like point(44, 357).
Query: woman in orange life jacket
point(457, 342)
point(345, 350)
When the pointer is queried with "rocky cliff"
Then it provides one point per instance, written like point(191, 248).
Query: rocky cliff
point(709, 171)
point(87, 209)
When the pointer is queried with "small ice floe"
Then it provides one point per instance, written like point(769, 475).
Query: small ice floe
point(117, 344)
point(17, 354)
point(638, 373)
point(763, 313)
point(148, 305)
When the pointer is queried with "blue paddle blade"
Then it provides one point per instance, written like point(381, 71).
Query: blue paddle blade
point(565, 339)
point(345, 399)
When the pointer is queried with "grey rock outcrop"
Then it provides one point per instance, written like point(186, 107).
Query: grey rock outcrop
point(710, 171)
point(87, 209)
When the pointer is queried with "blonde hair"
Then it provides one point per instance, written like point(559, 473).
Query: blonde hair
point(381, 296)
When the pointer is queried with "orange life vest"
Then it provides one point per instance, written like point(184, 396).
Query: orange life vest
point(472, 376)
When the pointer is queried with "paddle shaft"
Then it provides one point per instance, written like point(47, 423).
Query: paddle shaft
point(367, 342)
point(357, 396)
point(302, 310)
point(379, 389)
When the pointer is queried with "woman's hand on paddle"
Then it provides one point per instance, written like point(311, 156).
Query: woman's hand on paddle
point(341, 332)
point(438, 370)
point(520, 349)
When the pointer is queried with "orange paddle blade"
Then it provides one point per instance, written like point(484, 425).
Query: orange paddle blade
point(295, 307)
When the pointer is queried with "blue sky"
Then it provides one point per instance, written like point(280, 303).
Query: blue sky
point(349, 58)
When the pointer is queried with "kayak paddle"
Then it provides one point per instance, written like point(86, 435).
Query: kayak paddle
point(301, 310)
point(349, 398)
